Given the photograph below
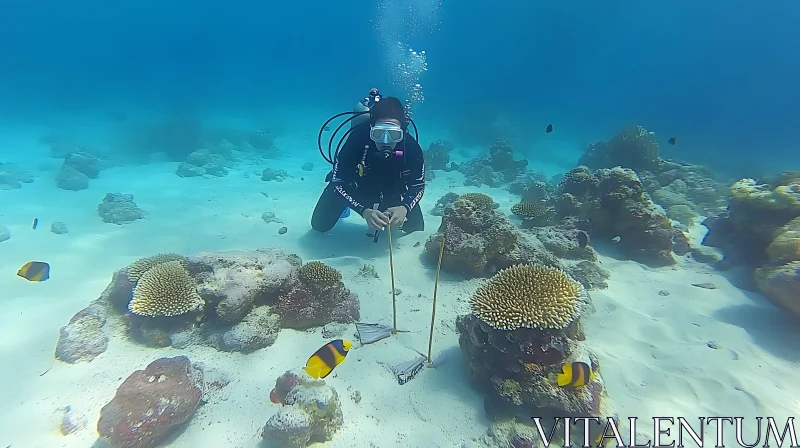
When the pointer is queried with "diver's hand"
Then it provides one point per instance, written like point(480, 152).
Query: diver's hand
point(375, 219)
point(397, 215)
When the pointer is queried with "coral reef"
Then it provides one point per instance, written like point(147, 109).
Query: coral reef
point(261, 140)
point(443, 202)
point(317, 297)
point(669, 182)
point(515, 366)
point(84, 338)
point(77, 169)
point(257, 330)
point(632, 147)
point(755, 211)
point(761, 230)
point(613, 200)
point(203, 162)
point(12, 177)
point(151, 403)
point(59, 228)
point(437, 156)
point(781, 284)
point(118, 208)
point(479, 241)
point(496, 169)
point(270, 174)
point(233, 301)
point(310, 412)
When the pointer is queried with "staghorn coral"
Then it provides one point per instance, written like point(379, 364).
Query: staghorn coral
point(481, 200)
point(319, 273)
point(139, 267)
point(528, 296)
point(165, 290)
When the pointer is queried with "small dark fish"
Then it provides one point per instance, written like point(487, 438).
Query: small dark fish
point(35, 223)
point(302, 178)
point(549, 128)
point(282, 230)
point(327, 129)
point(35, 271)
point(416, 244)
point(672, 140)
point(583, 239)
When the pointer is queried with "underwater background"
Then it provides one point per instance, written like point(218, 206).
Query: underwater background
point(718, 75)
point(612, 199)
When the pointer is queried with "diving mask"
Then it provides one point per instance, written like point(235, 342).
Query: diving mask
point(386, 133)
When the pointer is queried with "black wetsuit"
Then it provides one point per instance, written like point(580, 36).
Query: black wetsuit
point(398, 180)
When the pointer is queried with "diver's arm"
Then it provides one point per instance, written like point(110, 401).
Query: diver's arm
point(416, 179)
point(344, 165)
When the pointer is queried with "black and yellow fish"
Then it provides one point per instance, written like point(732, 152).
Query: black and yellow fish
point(575, 374)
point(672, 140)
point(35, 271)
point(549, 128)
point(324, 360)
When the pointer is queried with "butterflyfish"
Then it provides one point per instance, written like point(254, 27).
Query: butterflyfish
point(672, 140)
point(35, 271)
point(324, 360)
point(575, 374)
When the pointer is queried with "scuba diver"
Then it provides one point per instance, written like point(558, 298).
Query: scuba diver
point(379, 172)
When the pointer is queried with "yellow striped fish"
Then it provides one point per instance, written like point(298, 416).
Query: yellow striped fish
point(575, 374)
point(324, 360)
point(35, 271)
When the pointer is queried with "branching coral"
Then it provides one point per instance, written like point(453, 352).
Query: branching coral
point(142, 265)
point(165, 290)
point(319, 273)
point(529, 296)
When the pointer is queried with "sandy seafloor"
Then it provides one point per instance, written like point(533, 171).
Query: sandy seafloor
point(653, 349)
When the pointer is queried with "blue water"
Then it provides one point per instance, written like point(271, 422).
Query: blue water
point(717, 76)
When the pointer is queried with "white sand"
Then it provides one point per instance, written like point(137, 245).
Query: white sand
point(653, 349)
